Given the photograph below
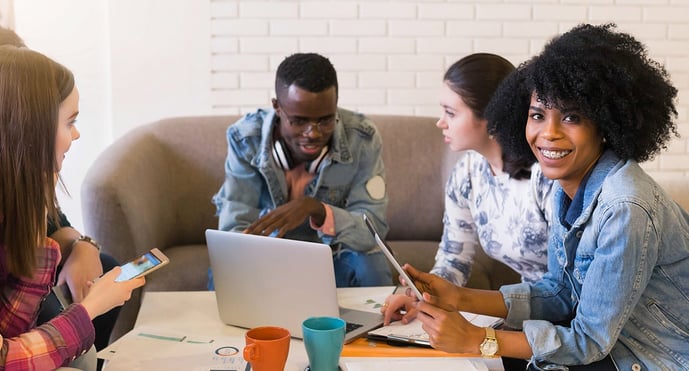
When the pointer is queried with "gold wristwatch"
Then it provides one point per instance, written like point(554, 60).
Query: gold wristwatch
point(88, 240)
point(489, 347)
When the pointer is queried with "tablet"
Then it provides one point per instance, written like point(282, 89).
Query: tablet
point(387, 251)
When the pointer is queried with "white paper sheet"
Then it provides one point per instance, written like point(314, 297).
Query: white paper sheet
point(367, 299)
point(156, 349)
point(414, 364)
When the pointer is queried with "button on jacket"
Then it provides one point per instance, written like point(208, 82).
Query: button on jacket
point(618, 278)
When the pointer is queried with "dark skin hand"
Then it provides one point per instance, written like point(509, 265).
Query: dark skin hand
point(439, 291)
point(288, 217)
point(438, 312)
point(450, 331)
point(405, 307)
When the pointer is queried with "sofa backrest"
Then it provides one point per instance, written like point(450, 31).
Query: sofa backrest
point(153, 186)
point(417, 165)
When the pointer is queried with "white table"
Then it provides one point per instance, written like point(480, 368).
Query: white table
point(195, 312)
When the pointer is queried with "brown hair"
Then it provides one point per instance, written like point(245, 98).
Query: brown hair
point(475, 78)
point(32, 87)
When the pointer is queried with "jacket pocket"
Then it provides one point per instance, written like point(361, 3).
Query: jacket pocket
point(581, 266)
point(668, 320)
point(332, 195)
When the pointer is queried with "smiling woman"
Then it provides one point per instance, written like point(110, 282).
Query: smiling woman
point(566, 143)
point(590, 107)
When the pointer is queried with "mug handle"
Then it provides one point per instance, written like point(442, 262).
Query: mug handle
point(251, 352)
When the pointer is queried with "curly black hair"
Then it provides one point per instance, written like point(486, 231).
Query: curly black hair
point(607, 76)
point(309, 71)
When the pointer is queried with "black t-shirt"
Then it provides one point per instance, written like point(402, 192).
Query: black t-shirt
point(62, 222)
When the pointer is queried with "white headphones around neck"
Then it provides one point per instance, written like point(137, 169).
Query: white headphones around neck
point(284, 160)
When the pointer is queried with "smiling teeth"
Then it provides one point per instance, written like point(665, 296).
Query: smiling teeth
point(554, 155)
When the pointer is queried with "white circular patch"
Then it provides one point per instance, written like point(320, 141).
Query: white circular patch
point(376, 187)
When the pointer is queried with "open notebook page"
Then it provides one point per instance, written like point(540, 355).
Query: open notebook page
point(413, 333)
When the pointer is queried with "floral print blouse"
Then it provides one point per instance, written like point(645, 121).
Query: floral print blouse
point(507, 218)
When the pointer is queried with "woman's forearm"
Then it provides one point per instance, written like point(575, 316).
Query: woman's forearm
point(488, 302)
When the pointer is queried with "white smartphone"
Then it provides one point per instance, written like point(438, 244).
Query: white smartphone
point(143, 265)
point(387, 251)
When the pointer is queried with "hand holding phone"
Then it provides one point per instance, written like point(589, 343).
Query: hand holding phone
point(105, 293)
point(143, 265)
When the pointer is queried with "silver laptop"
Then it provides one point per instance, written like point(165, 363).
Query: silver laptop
point(266, 281)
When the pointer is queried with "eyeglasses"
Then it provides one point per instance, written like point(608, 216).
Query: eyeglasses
point(303, 125)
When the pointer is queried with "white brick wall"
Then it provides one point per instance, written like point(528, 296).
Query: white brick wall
point(391, 55)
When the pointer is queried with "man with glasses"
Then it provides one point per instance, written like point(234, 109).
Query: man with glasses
point(308, 170)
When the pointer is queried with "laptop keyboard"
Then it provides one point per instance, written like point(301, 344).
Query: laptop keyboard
point(352, 326)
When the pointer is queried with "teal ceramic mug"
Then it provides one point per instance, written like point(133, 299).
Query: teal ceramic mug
point(323, 340)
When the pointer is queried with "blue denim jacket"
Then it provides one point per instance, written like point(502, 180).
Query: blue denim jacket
point(255, 185)
point(618, 279)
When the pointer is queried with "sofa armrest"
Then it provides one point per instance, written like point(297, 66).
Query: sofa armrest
point(153, 188)
point(124, 194)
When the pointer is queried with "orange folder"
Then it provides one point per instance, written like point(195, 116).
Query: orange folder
point(364, 347)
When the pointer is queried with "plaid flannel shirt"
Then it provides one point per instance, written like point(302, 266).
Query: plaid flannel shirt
point(55, 343)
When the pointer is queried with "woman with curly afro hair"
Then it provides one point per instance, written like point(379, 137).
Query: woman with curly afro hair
point(591, 106)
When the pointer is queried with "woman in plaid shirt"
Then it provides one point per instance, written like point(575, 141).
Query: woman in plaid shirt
point(38, 109)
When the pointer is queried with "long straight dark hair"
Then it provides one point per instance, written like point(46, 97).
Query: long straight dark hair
point(475, 78)
point(32, 86)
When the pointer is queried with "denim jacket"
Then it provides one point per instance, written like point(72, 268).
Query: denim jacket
point(617, 280)
point(255, 184)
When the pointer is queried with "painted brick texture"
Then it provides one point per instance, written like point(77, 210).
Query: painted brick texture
point(391, 55)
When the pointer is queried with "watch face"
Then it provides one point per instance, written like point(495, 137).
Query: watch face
point(489, 347)
point(492, 347)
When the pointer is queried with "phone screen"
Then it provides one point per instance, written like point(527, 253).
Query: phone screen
point(138, 266)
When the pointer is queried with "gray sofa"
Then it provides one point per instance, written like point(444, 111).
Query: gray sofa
point(152, 188)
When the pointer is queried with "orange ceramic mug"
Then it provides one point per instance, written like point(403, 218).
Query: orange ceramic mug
point(267, 348)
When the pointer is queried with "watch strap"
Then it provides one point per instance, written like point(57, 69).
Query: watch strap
point(490, 333)
point(87, 239)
